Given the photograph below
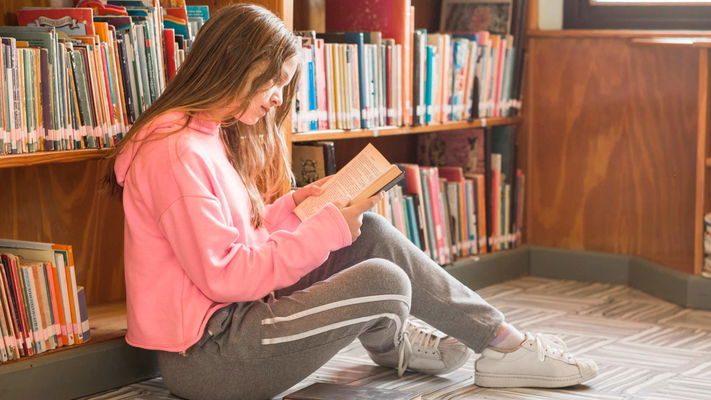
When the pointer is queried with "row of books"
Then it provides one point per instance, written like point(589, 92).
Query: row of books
point(354, 80)
point(464, 197)
point(42, 308)
point(75, 78)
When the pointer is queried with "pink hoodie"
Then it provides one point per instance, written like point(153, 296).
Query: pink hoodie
point(189, 247)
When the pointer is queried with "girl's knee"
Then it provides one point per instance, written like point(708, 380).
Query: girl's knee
point(374, 222)
point(384, 276)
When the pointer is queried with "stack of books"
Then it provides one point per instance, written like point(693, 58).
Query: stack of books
point(41, 306)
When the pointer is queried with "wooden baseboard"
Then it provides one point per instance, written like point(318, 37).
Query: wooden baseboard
point(80, 372)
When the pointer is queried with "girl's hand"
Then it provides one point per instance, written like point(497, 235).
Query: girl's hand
point(354, 213)
point(312, 189)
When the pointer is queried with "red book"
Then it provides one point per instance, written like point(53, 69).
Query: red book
point(169, 38)
point(414, 187)
point(26, 332)
point(436, 210)
point(72, 21)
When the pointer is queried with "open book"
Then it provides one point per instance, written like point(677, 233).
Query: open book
point(365, 175)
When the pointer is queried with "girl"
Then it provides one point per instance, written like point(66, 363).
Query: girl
point(244, 300)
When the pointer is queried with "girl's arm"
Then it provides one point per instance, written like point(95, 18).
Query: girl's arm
point(214, 257)
point(280, 214)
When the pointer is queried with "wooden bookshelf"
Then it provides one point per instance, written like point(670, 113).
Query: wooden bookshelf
point(51, 157)
point(393, 130)
point(708, 162)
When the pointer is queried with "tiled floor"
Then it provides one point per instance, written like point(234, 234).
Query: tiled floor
point(646, 348)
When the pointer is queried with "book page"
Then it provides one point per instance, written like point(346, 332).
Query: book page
point(350, 181)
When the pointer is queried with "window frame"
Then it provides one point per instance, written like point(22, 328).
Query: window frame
point(580, 14)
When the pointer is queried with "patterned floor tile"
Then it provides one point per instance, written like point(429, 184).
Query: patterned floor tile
point(594, 326)
point(696, 319)
point(637, 355)
point(640, 311)
point(579, 290)
point(546, 302)
point(625, 380)
point(681, 388)
point(580, 392)
point(673, 337)
point(525, 317)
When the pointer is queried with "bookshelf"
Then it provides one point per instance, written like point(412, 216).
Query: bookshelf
point(59, 196)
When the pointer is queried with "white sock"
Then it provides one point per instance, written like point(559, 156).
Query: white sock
point(507, 338)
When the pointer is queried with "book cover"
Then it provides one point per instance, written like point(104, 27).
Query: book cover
point(332, 391)
point(83, 314)
point(308, 163)
point(199, 11)
point(72, 21)
point(459, 148)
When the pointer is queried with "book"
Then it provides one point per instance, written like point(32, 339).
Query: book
point(365, 175)
point(312, 161)
point(333, 391)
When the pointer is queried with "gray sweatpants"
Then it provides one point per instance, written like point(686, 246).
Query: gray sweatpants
point(261, 348)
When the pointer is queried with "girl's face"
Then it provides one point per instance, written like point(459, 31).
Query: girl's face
point(271, 95)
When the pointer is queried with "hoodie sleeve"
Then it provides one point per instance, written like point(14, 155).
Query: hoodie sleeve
point(280, 214)
point(226, 270)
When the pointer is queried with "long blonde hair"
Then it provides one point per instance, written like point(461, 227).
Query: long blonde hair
point(235, 40)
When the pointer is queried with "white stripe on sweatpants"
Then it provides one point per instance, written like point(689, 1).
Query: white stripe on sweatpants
point(329, 327)
point(336, 304)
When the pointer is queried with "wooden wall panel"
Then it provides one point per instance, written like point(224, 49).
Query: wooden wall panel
point(66, 203)
point(611, 147)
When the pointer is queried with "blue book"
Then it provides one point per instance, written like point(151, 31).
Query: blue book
point(429, 64)
point(313, 105)
point(412, 221)
point(199, 11)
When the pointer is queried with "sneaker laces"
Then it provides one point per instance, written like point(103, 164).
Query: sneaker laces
point(415, 335)
point(552, 345)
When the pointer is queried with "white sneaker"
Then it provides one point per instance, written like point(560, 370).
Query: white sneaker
point(421, 350)
point(541, 361)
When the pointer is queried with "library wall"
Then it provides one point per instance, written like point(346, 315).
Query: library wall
point(612, 131)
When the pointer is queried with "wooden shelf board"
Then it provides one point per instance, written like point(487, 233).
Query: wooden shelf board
point(708, 162)
point(675, 41)
point(51, 157)
point(614, 33)
point(392, 130)
point(107, 321)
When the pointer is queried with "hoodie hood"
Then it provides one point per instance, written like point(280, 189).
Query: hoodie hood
point(168, 122)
